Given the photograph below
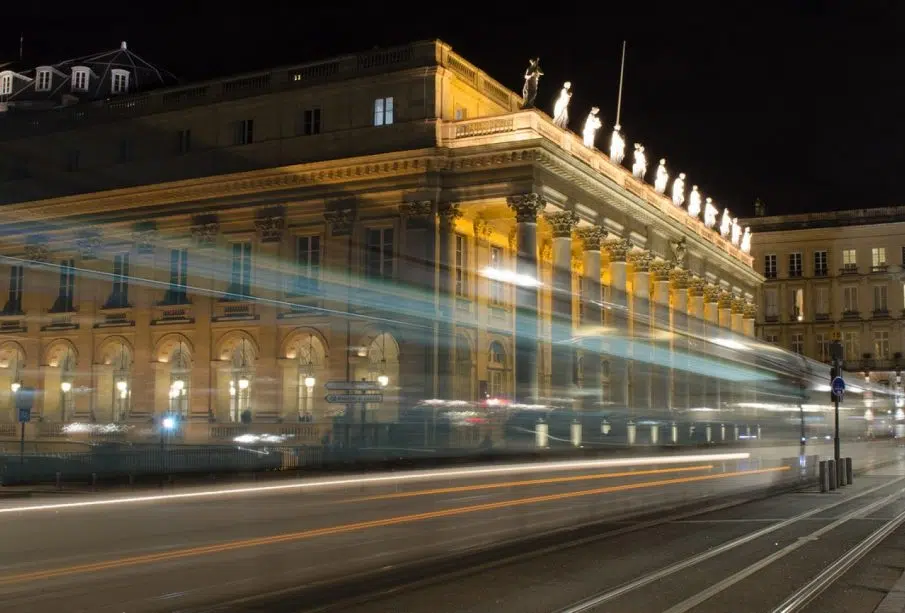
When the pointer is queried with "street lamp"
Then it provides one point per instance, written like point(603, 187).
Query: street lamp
point(383, 380)
point(243, 383)
point(123, 388)
point(66, 387)
point(310, 381)
point(15, 386)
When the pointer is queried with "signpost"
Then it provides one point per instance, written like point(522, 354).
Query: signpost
point(25, 398)
point(837, 389)
point(356, 392)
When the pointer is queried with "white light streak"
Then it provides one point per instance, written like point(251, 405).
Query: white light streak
point(426, 475)
point(508, 276)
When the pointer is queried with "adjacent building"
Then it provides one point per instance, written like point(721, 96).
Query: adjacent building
point(835, 275)
point(220, 250)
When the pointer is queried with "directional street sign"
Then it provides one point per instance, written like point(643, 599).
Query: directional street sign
point(353, 398)
point(352, 385)
point(838, 386)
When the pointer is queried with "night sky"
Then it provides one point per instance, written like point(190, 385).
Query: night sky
point(802, 106)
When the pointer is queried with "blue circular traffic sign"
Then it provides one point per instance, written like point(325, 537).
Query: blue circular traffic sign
point(838, 386)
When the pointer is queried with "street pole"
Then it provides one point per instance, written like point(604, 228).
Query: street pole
point(22, 444)
point(837, 453)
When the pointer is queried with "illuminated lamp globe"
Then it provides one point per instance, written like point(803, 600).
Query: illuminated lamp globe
point(383, 380)
point(122, 386)
point(15, 386)
point(66, 386)
point(243, 383)
point(178, 384)
point(310, 381)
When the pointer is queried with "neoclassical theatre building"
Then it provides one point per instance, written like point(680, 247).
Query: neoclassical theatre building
point(223, 249)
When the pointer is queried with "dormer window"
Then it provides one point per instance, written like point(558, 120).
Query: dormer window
point(6, 84)
point(120, 81)
point(43, 80)
point(80, 79)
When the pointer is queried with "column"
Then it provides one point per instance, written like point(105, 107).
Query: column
point(419, 243)
point(526, 208)
point(680, 346)
point(640, 366)
point(617, 341)
point(446, 301)
point(748, 314)
point(711, 329)
point(697, 383)
point(661, 373)
point(592, 396)
point(737, 315)
point(562, 352)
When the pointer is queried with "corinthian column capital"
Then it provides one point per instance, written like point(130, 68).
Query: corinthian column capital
point(526, 206)
point(563, 223)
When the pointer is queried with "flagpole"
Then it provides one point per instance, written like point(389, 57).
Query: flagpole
point(621, 73)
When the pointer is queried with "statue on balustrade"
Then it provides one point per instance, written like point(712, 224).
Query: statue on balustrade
point(639, 168)
point(694, 201)
point(532, 78)
point(736, 232)
point(617, 145)
point(746, 240)
point(678, 190)
point(591, 125)
point(679, 251)
point(710, 213)
point(662, 177)
point(725, 224)
point(561, 108)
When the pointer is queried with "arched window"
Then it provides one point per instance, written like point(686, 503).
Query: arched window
point(122, 381)
point(241, 371)
point(12, 369)
point(497, 366)
point(180, 380)
point(311, 357)
point(464, 369)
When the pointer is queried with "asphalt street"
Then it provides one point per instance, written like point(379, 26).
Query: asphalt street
point(234, 548)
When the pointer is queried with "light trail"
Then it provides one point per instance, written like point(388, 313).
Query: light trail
point(425, 475)
point(290, 537)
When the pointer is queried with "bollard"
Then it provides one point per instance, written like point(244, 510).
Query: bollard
point(655, 434)
point(840, 472)
point(93, 481)
point(722, 433)
point(735, 431)
point(631, 432)
point(541, 431)
point(831, 470)
point(575, 430)
point(59, 481)
point(758, 433)
point(823, 475)
point(674, 434)
point(708, 433)
point(849, 473)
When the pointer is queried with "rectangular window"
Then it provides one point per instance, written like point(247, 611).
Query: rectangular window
point(798, 342)
point(881, 344)
point(80, 80)
point(823, 347)
point(6, 85)
point(120, 84)
point(379, 260)
point(184, 141)
point(850, 346)
point(64, 300)
point(820, 264)
point(119, 297)
point(822, 301)
point(308, 264)
point(383, 111)
point(43, 82)
point(461, 113)
point(179, 265)
point(849, 260)
point(771, 305)
point(770, 266)
point(240, 275)
point(244, 132)
point(497, 289)
point(881, 303)
point(794, 264)
point(772, 338)
point(14, 299)
point(311, 122)
point(461, 266)
point(798, 304)
point(878, 258)
point(850, 299)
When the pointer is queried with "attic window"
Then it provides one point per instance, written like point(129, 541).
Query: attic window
point(80, 79)
point(6, 84)
point(119, 83)
point(42, 82)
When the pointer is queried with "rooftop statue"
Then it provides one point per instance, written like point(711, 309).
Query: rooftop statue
point(532, 77)
point(591, 125)
point(617, 145)
point(639, 168)
point(561, 108)
point(678, 190)
point(662, 177)
point(694, 202)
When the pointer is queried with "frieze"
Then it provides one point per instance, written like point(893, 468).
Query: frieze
point(340, 221)
point(88, 243)
point(270, 229)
